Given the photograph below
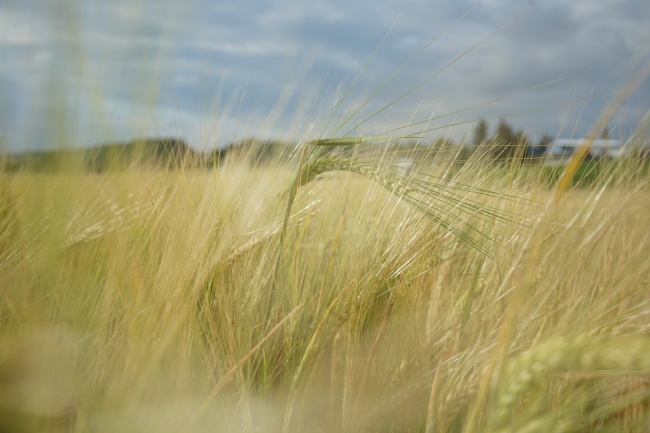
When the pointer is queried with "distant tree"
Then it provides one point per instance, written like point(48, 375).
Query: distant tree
point(504, 132)
point(541, 147)
point(521, 137)
point(441, 144)
point(503, 141)
point(545, 141)
point(520, 145)
point(481, 133)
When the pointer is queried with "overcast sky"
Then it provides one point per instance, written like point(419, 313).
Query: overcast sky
point(86, 72)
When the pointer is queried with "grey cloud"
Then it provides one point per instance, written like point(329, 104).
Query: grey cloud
point(167, 56)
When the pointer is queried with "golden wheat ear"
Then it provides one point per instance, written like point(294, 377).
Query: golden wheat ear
point(453, 205)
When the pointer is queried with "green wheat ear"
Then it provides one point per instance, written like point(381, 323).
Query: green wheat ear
point(438, 200)
point(569, 354)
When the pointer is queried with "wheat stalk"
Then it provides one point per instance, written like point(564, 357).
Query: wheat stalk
point(581, 353)
point(441, 203)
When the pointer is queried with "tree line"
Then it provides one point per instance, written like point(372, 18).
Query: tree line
point(506, 142)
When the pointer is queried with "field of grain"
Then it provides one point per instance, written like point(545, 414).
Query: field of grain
point(197, 235)
point(184, 300)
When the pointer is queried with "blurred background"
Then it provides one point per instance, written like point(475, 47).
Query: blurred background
point(80, 73)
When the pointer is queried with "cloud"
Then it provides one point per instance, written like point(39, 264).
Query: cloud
point(19, 27)
point(274, 65)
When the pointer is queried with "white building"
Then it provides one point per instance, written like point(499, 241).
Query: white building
point(564, 148)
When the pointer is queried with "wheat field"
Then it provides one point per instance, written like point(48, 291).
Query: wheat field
point(347, 285)
point(157, 300)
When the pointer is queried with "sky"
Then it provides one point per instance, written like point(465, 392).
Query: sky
point(80, 73)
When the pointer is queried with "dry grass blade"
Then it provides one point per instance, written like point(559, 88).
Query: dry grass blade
point(572, 167)
point(226, 377)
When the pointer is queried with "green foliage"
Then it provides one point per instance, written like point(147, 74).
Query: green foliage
point(153, 153)
point(545, 140)
point(481, 133)
point(506, 144)
point(587, 174)
point(594, 172)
